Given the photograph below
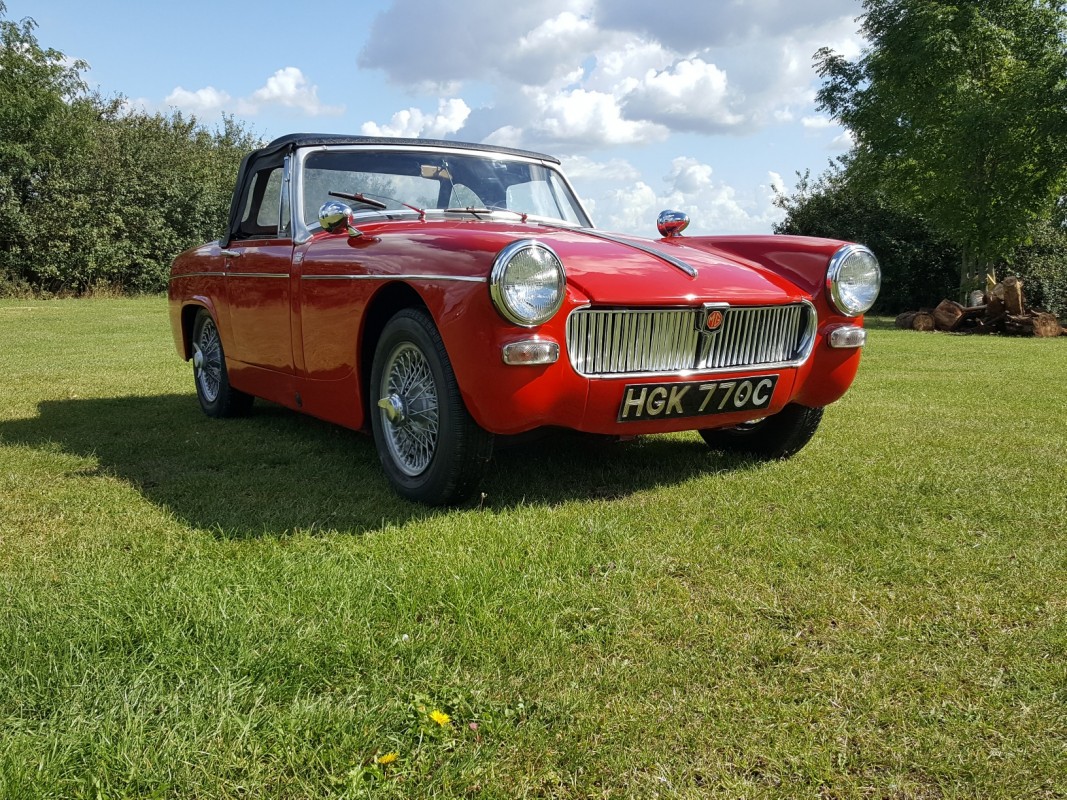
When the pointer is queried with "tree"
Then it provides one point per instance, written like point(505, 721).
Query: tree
point(92, 192)
point(1042, 264)
point(41, 97)
point(959, 111)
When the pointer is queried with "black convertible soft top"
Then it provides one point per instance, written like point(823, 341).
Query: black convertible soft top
point(293, 140)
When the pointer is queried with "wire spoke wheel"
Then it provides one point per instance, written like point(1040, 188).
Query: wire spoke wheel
point(207, 360)
point(409, 409)
point(217, 397)
point(430, 448)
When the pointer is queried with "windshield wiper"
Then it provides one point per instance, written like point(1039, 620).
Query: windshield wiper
point(359, 198)
point(369, 200)
point(478, 211)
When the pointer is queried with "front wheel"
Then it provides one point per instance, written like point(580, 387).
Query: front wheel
point(217, 398)
point(430, 448)
point(778, 436)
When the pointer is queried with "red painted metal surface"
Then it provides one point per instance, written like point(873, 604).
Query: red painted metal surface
point(294, 318)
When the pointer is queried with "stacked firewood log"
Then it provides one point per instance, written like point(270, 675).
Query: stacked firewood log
point(1001, 309)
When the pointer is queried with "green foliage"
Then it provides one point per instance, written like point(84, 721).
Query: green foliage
point(92, 193)
point(1042, 265)
point(959, 111)
point(195, 608)
point(918, 265)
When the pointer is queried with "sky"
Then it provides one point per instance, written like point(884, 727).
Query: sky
point(703, 107)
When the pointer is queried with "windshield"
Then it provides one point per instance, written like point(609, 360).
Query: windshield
point(432, 181)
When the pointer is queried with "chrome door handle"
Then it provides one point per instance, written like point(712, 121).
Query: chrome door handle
point(230, 253)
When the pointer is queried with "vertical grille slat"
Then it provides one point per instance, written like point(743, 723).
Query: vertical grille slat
point(651, 341)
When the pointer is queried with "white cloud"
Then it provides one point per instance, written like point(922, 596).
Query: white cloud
point(552, 51)
point(208, 100)
point(418, 40)
point(287, 88)
point(776, 184)
point(413, 122)
point(597, 73)
point(816, 123)
point(846, 141)
point(690, 95)
point(630, 57)
point(581, 168)
point(588, 119)
point(506, 136)
point(136, 105)
point(723, 23)
point(714, 207)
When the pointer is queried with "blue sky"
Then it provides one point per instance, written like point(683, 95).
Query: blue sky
point(702, 107)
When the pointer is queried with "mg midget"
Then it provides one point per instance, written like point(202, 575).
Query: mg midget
point(441, 294)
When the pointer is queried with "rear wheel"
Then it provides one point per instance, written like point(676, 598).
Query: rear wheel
point(217, 398)
point(778, 436)
point(430, 448)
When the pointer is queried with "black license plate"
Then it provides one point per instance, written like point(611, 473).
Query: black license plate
point(645, 401)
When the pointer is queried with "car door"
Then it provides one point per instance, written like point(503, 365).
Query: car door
point(258, 261)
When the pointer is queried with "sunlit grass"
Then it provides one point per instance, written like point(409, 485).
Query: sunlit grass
point(224, 609)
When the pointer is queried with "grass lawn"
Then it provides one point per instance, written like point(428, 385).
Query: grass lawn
point(192, 608)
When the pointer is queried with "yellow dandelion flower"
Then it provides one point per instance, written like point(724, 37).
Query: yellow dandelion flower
point(440, 717)
point(388, 758)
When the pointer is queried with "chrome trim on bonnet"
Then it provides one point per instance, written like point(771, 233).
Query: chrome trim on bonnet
point(637, 342)
point(688, 269)
point(459, 278)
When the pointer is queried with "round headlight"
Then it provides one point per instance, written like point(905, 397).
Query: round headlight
point(853, 279)
point(527, 283)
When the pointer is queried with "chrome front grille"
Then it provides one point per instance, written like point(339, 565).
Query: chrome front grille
point(652, 341)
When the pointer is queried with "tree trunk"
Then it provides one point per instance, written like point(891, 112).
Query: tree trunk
point(966, 273)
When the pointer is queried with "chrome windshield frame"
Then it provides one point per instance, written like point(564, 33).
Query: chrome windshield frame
point(302, 231)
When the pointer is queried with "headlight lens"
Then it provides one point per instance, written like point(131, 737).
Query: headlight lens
point(527, 283)
point(853, 279)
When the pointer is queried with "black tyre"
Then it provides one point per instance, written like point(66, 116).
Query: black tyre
point(430, 448)
point(775, 437)
point(217, 398)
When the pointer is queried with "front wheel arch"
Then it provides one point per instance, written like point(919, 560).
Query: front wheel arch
point(383, 306)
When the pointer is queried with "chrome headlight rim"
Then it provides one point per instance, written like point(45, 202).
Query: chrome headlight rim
point(499, 272)
point(833, 282)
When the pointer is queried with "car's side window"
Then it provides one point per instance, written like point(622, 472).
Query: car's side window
point(262, 205)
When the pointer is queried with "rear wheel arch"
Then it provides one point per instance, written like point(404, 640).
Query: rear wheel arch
point(188, 321)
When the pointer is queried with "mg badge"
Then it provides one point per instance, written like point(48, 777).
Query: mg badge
point(714, 320)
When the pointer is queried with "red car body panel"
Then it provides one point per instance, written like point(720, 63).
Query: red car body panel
point(301, 336)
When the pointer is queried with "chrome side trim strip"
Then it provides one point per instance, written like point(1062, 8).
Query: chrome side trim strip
point(457, 278)
point(258, 275)
point(198, 275)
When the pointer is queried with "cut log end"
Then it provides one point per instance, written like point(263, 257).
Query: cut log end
point(1004, 311)
point(915, 321)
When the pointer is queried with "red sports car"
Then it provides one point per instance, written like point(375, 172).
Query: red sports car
point(441, 293)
